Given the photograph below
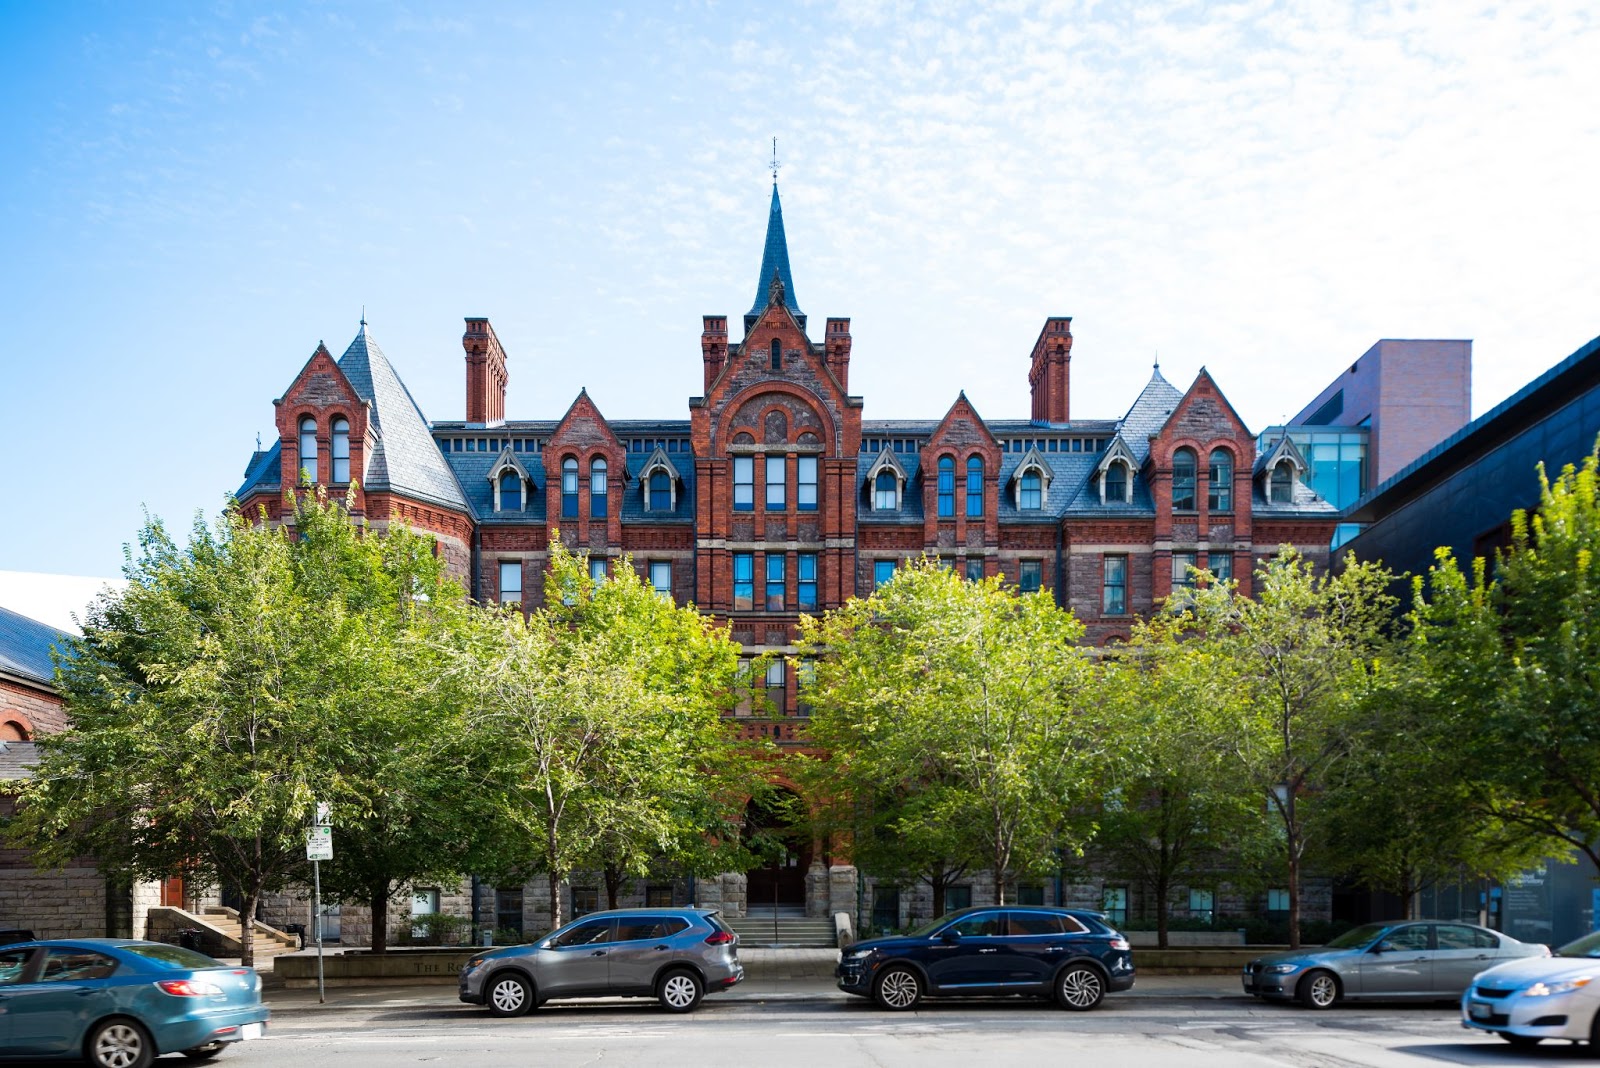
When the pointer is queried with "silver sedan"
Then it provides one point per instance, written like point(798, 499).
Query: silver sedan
point(1404, 959)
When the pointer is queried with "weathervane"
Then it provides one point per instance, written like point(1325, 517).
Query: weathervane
point(775, 163)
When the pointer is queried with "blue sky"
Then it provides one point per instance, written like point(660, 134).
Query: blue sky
point(191, 196)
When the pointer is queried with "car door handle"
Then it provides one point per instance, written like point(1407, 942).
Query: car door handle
point(1481, 956)
point(988, 951)
point(598, 953)
point(660, 948)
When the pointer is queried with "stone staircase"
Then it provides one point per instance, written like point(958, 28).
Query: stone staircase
point(793, 928)
point(269, 941)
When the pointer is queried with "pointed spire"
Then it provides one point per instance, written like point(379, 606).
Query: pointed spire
point(774, 261)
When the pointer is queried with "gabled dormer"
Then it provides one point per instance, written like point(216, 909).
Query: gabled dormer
point(1279, 470)
point(513, 486)
point(586, 471)
point(1030, 481)
point(660, 483)
point(886, 482)
point(1115, 472)
point(322, 424)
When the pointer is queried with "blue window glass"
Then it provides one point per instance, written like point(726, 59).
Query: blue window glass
point(947, 487)
point(1116, 477)
point(510, 491)
point(1114, 588)
point(975, 486)
point(341, 449)
point(744, 581)
point(308, 450)
point(777, 355)
point(1219, 497)
point(806, 483)
point(569, 488)
point(775, 583)
point(1032, 496)
point(777, 482)
point(1028, 576)
point(885, 491)
point(806, 566)
point(660, 491)
point(882, 572)
point(1183, 476)
point(597, 488)
point(744, 483)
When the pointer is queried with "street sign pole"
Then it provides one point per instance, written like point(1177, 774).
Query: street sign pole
point(319, 847)
point(316, 907)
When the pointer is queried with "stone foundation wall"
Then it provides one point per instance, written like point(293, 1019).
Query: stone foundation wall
point(70, 903)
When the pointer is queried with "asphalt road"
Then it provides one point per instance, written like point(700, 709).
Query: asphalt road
point(1229, 1032)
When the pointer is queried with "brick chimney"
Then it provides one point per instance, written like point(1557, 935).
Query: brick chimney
point(1050, 373)
point(838, 345)
point(714, 346)
point(486, 374)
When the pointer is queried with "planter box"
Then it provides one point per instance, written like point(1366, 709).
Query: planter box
point(396, 968)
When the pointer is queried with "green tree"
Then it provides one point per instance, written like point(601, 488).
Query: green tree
point(1180, 810)
point(1517, 659)
point(601, 719)
point(402, 783)
point(956, 713)
point(1299, 657)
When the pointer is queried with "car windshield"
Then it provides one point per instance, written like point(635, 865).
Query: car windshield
point(1357, 937)
point(176, 958)
point(1587, 946)
point(931, 926)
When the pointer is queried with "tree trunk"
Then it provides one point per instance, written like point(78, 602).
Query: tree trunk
point(555, 899)
point(937, 885)
point(378, 901)
point(1294, 894)
point(1163, 907)
point(613, 878)
point(247, 913)
point(999, 885)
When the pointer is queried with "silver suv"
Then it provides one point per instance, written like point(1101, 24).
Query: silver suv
point(673, 955)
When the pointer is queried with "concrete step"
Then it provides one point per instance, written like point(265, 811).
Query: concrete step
point(788, 931)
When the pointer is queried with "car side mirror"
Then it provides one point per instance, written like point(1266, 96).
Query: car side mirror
point(950, 937)
point(1380, 947)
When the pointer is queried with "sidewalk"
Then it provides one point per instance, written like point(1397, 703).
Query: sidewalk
point(770, 975)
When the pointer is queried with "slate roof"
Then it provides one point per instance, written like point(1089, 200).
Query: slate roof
point(775, 257)
point(406, 459)
point(1150, 411)
point(25, 647)
point(17, 760)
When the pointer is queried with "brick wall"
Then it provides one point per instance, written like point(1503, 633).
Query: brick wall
point(39, 711)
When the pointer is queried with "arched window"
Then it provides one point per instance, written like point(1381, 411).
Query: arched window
point(777, 355)
point(569, 488)
point(885, 490)
point(1031, 497)
point(1183, 475)
point(1283, 484)
point(597, 488)
point(1116, 477)
point(341, 449)
point(510, 491)
point(975, 486)
point(660, 492)
point(947, 487)
point(1220, 496)
point(308, 449)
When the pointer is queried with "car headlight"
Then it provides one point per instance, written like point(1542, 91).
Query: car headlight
point(1280, 969)
point(855, 956)
point(473, 963)
point(1567, 986)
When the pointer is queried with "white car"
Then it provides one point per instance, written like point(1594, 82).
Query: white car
point(1527, 1001)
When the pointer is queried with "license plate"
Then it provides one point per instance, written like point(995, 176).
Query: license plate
point(250, 1030)
point(1479, 1010)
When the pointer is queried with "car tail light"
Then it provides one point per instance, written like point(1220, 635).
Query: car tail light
point(189, 988)
point(719, 938)
point(1119, 943)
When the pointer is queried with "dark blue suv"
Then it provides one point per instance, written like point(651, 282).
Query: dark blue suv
point(1070, 955)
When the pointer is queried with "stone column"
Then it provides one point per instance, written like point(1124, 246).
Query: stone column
point(842, 891)
point(819, 893)
point(733, 894)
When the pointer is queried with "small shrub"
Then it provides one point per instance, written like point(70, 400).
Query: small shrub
point(435, 929)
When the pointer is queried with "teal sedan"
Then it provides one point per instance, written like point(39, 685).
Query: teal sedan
point(120, 1003)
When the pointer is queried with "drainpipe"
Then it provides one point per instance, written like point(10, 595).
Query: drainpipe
point(477, 561)
point(1061, 586)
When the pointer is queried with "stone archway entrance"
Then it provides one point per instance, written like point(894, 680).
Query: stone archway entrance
point(779, 879)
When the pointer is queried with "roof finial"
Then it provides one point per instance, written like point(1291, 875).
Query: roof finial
point(258, 441)
point(775, 163)
point(1158, 359)
point(363, 315)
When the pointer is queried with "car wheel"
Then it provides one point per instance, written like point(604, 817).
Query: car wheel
point(1594, 1031)
point(898, 989)
point(1520, 1041)
point(1079, 988)
point(207, 1052)
point(119, 1044)
point(1319, 990)
point(680, 990)
point(508, 994)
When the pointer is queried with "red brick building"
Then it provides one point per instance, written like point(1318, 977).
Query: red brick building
point(777, 496)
